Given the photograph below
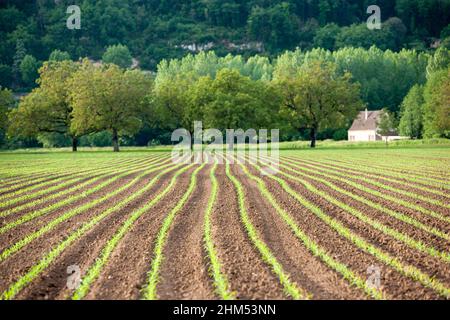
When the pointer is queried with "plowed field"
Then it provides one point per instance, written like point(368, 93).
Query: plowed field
point(332, 224)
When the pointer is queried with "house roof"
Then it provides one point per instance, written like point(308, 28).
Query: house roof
point(360, 123)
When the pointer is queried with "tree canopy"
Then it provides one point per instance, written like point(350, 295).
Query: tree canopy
point(316, 98)
point(108, 98)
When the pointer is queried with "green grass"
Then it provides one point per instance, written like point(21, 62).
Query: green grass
point(330, 144)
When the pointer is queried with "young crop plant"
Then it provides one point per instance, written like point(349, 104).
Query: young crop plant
point(220, 280)
point(392, 173)
point(411, 242)
point(406, 270)
point(150, 291)
point(290, 287)
point(402, 202)
point(48, 258)
point(98, 175)
point(76, 211)
point(73, 187)
point(373, 178)
point(49, 179)
point(94, 272)
point(35, 214)
point(397, 215)
point(337, 174)
point(311, 245)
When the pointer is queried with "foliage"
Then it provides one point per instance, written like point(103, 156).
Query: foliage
point(46, 109)
point(107, 98)
point(386, 124)
point(411, 122)
point(163, 26)
point(29, 70)
point(317, 98)
point(6, 104)
point(437, 105)
point(119, 55)
point(58, 55)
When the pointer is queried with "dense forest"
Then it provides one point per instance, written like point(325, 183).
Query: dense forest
point(162, 29)
point(259, 44)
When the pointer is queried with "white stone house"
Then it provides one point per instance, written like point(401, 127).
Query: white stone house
point(365, 128)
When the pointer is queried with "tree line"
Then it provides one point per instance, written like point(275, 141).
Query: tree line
point(154, 30)
point(307, 94)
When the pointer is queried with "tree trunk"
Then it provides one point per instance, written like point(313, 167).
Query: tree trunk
point(115, 140)
point(74, 144)
point(313, 137)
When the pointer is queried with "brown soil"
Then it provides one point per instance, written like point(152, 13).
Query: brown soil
point(423, 218)
point(51, 284)
point(33, 252)
point(248, 276)
point(411, 187)
point(394, 284)
point(184, 272)
point(306, 270)
point(126, 272)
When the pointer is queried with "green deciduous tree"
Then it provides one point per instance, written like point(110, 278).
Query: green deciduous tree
point(439, 61)
point(437, 105)
point(386, 125)
point(232, 101)
point(326, 37)
point(411, 121)
point(108, 98)
point(47, 108)
point(6, 104)
point(29, 70)
point(58, 55)
point(119, 55)
point(316, 98)
point(275, 26)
